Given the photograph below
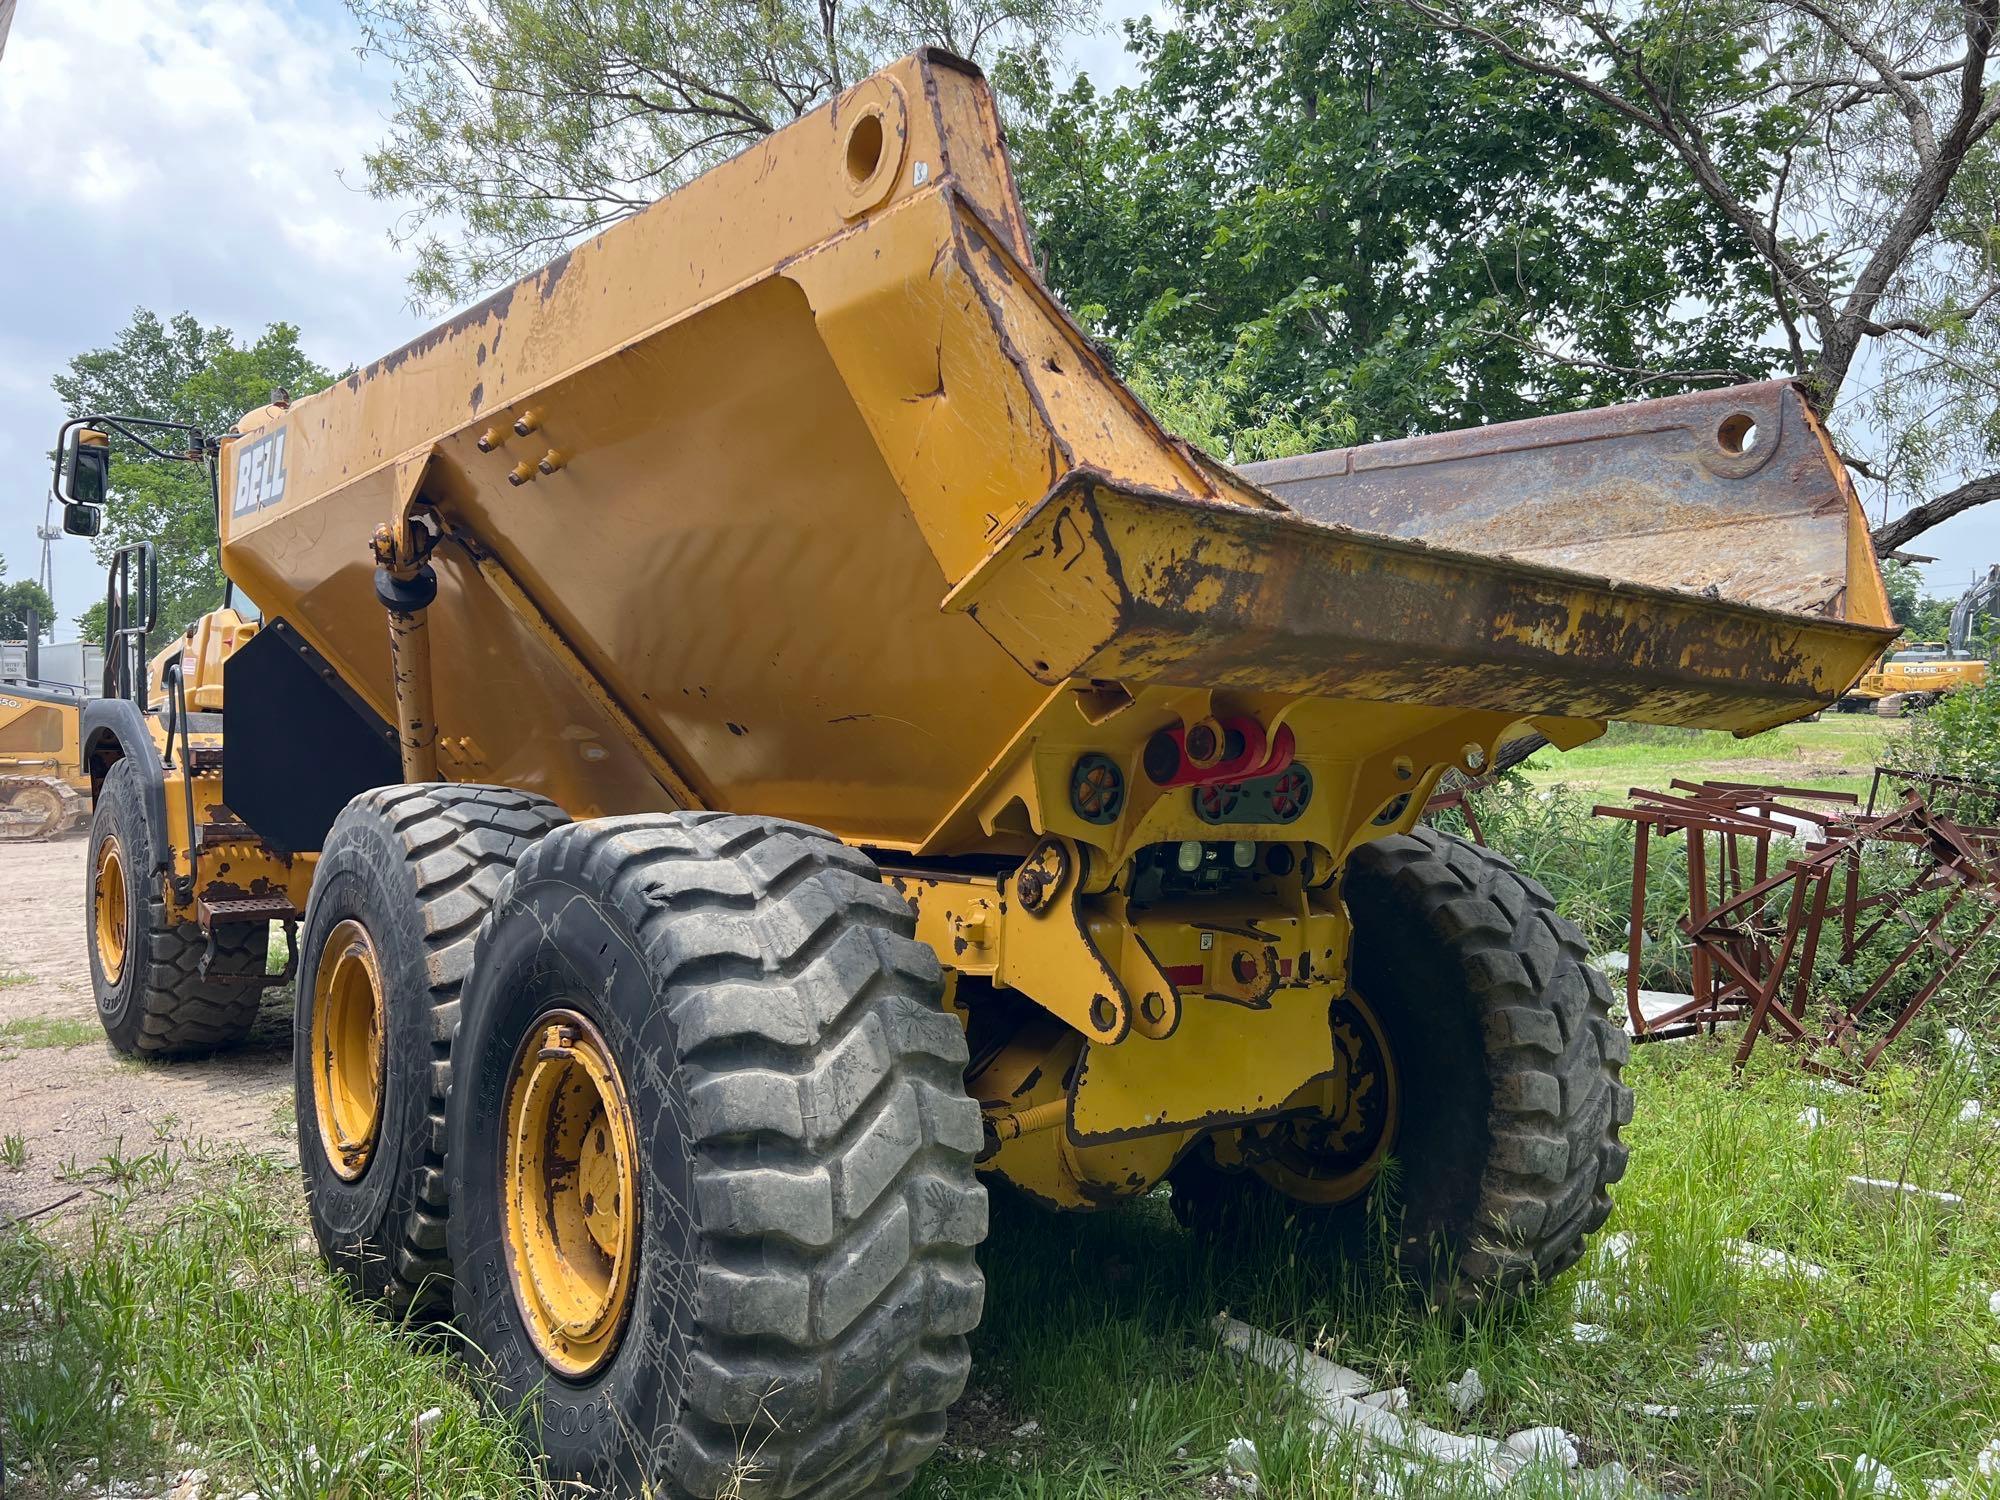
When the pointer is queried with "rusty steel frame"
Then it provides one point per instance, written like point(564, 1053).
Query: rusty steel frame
point(1758, 933)
point(1458, 799)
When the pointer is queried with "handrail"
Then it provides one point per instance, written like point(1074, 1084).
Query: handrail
point(125, 641)
point(176, 710)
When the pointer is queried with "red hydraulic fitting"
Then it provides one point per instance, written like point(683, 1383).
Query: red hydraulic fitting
point(1207, 752)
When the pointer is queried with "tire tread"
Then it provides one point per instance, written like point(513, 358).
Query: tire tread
point(831, 1147)
point(1554, 1057)
point(456, 838)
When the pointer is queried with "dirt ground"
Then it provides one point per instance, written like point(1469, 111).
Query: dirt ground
point(76, 1105)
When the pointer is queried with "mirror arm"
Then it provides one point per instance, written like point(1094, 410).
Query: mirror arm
point(202, 448)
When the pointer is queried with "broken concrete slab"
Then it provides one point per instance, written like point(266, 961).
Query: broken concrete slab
point(1338, 1411)
point(1655, 1004)
point(1749, 1256)
point(1610, 1482)
point(1872, 1477)
point(1879, 1192)
point(1466, 1392)
point(1988, 1462)
point(1316, 1376)
point(1727, 1408)
point(1241, 1464)
point(1401, 1454)
point(1544, 1445)
point(1592, 1303)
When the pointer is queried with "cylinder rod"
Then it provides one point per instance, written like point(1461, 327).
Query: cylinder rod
point(408, 601)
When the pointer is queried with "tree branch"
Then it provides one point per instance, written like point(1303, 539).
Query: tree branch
point(1637, 375)
point(1918, 519)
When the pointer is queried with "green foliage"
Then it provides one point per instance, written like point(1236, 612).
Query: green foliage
point(1960, 735)
point(218, 1329)
point(90, 624)
point(23, 1032)
point(16, 599)
point(1922, 617)
point(177, 371)
point(1849, 144)
point(1585, 862)
point(522, 125)
point(1320, 221)
point(1100, 1326)
point(1904, 585)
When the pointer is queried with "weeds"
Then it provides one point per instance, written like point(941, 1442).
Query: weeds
point(1959, 736)
point(220, 1330)
point(1586, 863)
point(1097, 1372)
point(152, 1169)
point(28, 1032)
point(1100, 1327)
point(14, 1151)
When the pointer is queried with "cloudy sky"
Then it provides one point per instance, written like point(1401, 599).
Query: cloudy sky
point(188, 154)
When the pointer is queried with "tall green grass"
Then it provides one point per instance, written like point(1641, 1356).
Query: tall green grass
point(1099, 1326)
point(211, 1335)
point(215, 1339)
point(218, 1330)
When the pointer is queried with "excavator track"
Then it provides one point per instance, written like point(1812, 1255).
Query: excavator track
point(38, 807)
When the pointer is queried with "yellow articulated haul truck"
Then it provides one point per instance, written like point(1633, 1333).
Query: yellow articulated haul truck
point(757, 731)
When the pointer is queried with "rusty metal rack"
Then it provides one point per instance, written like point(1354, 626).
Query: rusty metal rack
point(1758, 916)
point(1458, 799)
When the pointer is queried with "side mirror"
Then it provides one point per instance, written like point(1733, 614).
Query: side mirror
point(86, 470)
point(82, 520)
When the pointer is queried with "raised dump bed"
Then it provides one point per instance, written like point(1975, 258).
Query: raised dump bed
point(828, 459)
point(796, 497)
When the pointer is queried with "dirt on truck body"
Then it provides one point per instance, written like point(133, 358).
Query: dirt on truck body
point(758, 730)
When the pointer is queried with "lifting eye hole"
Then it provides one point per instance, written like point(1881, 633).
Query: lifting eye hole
point(1738, 433)
point(864, 147)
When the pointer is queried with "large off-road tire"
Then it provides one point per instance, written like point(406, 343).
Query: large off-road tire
point(154, 996)
point(1507, 1061)
point(776, 1301)
point(406, 875)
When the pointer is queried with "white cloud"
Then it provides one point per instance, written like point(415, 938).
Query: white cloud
point(177, 154)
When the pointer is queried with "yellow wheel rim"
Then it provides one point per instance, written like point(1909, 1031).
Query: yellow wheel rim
point(570, 1193)
point(108, 909)
point(349, 1049)
point(1335, 1153)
